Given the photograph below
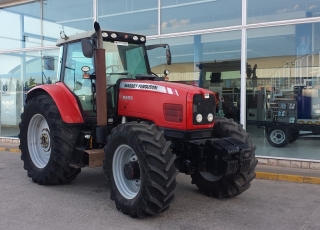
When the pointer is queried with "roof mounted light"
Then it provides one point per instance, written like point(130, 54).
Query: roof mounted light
point(135, 38)
point(142, 39)
point(104, 34)
point(113, 35)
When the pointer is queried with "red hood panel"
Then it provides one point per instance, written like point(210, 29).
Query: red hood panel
point(161, 86)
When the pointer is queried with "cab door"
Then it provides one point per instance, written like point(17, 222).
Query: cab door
point(72, 76)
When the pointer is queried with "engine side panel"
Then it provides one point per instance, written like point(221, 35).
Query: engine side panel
point(64, 99)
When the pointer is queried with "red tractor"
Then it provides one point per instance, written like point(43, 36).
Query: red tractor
point(108, 108)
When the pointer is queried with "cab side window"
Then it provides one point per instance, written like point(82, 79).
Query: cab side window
point(75, 60)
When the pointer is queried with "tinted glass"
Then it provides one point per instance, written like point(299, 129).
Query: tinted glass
point(124, 60)
point(137, 16)
point(72, 16)
point(283, 89)
point(20, 26)
point(19, 72)
point(185, 15)
point(275, 10)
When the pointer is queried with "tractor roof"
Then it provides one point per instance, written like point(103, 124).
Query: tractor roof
point(76, 37)
point(120, 36)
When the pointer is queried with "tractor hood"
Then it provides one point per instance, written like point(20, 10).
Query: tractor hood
point(168, 105)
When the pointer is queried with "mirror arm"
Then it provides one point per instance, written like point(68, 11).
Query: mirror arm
point(151, 47)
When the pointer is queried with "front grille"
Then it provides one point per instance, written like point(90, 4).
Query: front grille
point(203, 106)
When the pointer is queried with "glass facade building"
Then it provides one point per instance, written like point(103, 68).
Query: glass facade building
point(262, 57)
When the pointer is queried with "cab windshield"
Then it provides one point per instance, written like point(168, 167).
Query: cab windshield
point(124, 60)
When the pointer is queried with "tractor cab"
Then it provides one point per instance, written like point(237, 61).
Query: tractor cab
point(125, 58)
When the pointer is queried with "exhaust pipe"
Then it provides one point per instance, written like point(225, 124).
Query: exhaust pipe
point(100, 68)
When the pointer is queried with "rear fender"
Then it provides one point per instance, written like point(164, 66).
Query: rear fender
point(64, 99)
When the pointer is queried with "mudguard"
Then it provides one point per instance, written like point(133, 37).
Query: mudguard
point(64, 99)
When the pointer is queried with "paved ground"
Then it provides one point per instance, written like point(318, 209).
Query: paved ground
point(85, 204)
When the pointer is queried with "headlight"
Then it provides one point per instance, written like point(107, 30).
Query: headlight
point(199, 118)
point(210, 117)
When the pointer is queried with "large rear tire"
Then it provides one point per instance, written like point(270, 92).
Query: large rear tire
point(228, 185)
point(140, 169)
point(46, 142)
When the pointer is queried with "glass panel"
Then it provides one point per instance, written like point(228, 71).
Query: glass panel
point(11, 87)
point(72, 16)
point(210, 61)
point(23, 31)
point(20, 72)
point(73, 74)
point(124, 60)
point(137, 16)
point(283, 90)
point(275, 10)
point(186, 15)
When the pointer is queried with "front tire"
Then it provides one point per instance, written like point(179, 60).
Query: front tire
point(140, 169)
point(227, 185)
point(46, 142)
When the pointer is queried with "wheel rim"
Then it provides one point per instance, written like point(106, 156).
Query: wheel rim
point(128, 188)
point(39, 143)
point(277, 136)
point(209, 176)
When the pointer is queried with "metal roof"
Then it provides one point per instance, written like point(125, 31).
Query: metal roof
point(76, 37)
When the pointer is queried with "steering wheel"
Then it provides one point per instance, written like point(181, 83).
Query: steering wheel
point(113, 66)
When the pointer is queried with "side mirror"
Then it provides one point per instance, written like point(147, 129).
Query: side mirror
point(48, 63)
point(168, 53)
point(168, 56)
point(87, 48)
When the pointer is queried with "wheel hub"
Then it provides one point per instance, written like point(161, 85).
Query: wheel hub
point(126, 171)
point(38, 137)
point(44, 139)
point(132, 170)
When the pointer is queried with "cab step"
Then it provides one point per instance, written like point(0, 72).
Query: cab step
point(96, 157)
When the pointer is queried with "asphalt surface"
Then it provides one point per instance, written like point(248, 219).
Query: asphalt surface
point(84, 204)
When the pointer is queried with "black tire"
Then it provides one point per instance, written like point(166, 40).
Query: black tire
point(158, 173)
point(294, 136)
point(43, 166)
point(228, 185)
point(278, 136)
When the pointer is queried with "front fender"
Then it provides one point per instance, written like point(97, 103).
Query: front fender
point(64, 99)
